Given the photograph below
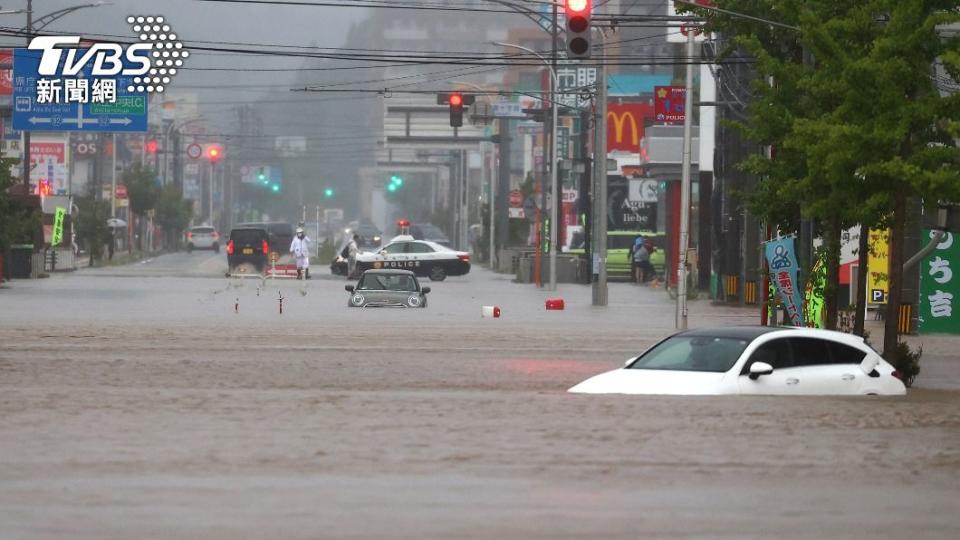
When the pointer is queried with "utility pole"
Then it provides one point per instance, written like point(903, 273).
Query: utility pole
point(681, 315)
point(26, 133)
point(503, 184)
point(599, 288)
point(113, 177)
point(555, 205)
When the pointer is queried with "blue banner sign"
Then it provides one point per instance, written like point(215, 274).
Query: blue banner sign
point(784, 275)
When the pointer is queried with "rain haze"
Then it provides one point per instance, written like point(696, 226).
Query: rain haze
point(479, 269)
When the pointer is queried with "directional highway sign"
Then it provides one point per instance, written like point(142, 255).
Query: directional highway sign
point(72, 110)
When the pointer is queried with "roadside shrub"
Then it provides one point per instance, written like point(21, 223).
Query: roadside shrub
point(907, 362)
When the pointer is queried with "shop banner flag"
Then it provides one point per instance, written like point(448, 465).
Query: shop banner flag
point(784, 274)
point(938, 290)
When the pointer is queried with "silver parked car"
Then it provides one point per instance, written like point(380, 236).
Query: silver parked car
point(388, 288)
point(203, 237)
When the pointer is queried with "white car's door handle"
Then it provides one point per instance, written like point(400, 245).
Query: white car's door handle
point(848, 377)
point(793, 381)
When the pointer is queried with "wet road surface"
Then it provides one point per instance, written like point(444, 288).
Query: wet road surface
point(162, 400)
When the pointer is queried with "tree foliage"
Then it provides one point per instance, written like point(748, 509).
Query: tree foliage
point(848, 99)
point(142, 188)
point(173, 212)
point(16, 222)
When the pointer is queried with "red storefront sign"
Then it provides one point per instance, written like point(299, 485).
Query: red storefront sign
point(625, 125)
point(6, 72)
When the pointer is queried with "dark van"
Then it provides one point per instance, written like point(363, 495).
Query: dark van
point(279, 234)
point(248, 245)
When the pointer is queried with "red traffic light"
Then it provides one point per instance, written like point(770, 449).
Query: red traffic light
point(151, 146)
point(44, 189)
point(578, 6)
point(456, 100)
point(214, 152)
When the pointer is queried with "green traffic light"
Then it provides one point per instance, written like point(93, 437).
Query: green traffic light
point(328, 193)
point(392, 187)
point(399, 182)
point(275, 188)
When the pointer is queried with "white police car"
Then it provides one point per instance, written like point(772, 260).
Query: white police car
point(422, 257)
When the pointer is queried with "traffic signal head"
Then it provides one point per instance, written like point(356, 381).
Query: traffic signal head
point(214, 152)
point(151, 146)
point(262, 176)
point(44, 188)
point(398, 180)
point(456, 101)
point(456, 109)
point(578, 27)
point(328, 193)
point(275, 188)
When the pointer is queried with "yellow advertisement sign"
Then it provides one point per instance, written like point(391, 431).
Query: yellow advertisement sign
point(878, 267)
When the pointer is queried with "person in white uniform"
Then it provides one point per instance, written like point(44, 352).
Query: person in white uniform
point(300, 247)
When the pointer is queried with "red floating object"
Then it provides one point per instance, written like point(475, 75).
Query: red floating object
point(555, 304)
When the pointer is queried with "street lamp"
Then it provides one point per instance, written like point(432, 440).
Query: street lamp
point(554, 189)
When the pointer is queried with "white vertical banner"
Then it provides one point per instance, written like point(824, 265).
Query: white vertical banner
point(708, 118)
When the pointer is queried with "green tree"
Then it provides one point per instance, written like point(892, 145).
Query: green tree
point(856, 119)
point(16, 222)
point(91, 224)
point(173, 212)
point(142, 191)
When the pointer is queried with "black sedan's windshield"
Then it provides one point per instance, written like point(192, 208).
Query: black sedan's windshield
point(693, 353)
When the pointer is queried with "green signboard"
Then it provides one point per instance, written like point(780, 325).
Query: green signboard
point(563, 142)
point(123, 105)
point(939, 288)
point(58, 226)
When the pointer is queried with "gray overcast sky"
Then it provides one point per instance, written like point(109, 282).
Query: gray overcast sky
point(192, 20)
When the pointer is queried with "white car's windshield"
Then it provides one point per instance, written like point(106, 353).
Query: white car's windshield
point(387, 282)
point(693, 353)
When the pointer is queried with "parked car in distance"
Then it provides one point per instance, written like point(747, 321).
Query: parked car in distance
point(753, 360)
point(203, 237)
point(247, 245)
point(387, 288)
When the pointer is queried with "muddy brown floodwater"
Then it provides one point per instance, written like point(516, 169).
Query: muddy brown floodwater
point(253, 430)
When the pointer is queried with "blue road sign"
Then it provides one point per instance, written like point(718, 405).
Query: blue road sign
point(73, 103)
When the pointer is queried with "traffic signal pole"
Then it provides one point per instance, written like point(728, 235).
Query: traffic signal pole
point(685, 188)
point(599, 290)
point(26, 132)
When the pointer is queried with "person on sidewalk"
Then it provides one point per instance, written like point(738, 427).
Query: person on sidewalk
point(300, 247)
point(352, 249)
point(640, 259)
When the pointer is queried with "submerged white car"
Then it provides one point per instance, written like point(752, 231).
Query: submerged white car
point(752, 360)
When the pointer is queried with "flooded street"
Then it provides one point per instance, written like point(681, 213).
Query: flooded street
point(188, 419)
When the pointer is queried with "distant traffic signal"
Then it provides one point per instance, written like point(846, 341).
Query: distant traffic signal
point(275, 188)
point(328, 193)
point(396, 182)
point(44, 188)
point(151, 146)
point(262, 176)
point(456, 101)
point(214, 152)
point(578, 27)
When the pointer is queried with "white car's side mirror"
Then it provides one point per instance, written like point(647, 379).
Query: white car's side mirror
point(630, 361)
point(760, 368)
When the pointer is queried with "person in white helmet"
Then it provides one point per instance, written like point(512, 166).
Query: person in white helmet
point(300, 247)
